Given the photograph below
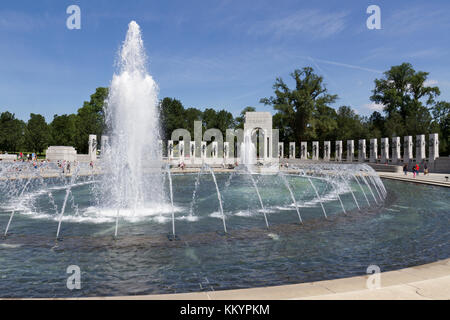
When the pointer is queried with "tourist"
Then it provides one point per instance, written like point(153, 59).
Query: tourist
point(414, 171)
point(417, 169)
point(68, 167)
point(405, 169)
point(425, 169)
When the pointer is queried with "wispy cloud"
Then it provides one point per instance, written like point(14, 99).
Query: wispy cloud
point(374, 106)
point(430, 83)
point(312, 23)
point(16, 21)
point(416, 19)
point(346, 65)
point(426, 53)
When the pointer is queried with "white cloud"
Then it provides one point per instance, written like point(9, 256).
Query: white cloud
point(430, 83)
point(313, 23)
point(374, 106)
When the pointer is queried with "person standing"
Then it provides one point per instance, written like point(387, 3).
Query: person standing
point(425, 169)
point(405, 169)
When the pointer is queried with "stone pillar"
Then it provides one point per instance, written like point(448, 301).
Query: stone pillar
point(170, 149)
point(373, 150)
point(192, 151)
point(384, 150)
point(362, 150)
point(214, 150)
point(420, 148)
point(92, 147)
point(326, 150)
point(304, 150)
point(280, 150)
point(105, 142)
point(315, 155)
point(408, 149)
point(291, 150)
point(434, 147)
point(338, 156)
point(350, 150)
point(203, 150)
point(396, 150)
point(226, 151)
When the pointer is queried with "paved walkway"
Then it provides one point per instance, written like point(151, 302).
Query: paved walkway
point(438, 179)
point(430, 281)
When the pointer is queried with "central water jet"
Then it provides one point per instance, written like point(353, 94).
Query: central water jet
point(132, 119)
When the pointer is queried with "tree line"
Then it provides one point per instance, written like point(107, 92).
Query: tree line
point(410, 106)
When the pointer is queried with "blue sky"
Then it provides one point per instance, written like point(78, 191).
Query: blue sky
point(219, 54)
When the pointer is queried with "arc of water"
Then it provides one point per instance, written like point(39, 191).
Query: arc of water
point(340, 200)
point(375, 186)
point(45, 186)
point(380, 185)
point(362, 189)
point(318, 197)
point(219, 197)
point(72, 181)
point(171, 199)
point(368, 185)
point(117, 223)
point(20, 197)
point(378, 181)
point(351, 191)
point(194, 193)
point(292, 195)
point(259, 197)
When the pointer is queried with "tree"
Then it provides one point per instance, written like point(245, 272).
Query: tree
point(63, 130)
point(224, 121)
point(404, 92)
point(325, 123)
point(37, 134)
point(441, 121)
point(91, 119)
point(191, 115)
point(349, 125)
point(241, 118)
point(297, 107)
point(12, 132)
point(172, 117)
point(376, 124)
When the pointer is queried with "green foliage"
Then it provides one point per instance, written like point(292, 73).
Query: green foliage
point(241, 118)
point(172, 117)
point(405, 96)
point(350, 126)
point(298, 107)
point(303, 113)
point(37, 133)
point(12, 132)
point(90, 119)
point(441, 125)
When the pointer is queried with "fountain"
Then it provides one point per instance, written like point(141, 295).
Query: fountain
point(133, 189)
point(132, 117)
point(248, 151)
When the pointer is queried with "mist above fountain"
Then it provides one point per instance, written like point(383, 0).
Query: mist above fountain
point(132, 117)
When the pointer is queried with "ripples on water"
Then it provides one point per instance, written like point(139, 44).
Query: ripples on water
point(411, 228)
